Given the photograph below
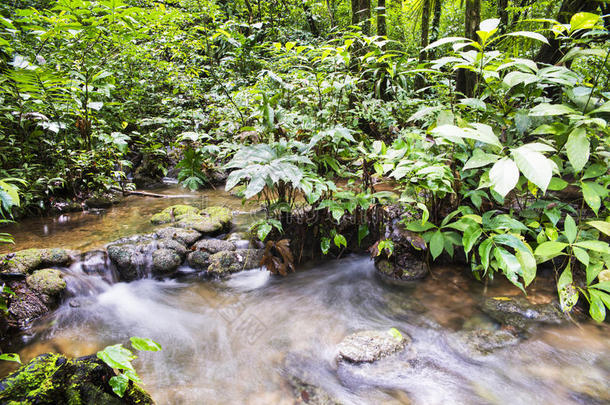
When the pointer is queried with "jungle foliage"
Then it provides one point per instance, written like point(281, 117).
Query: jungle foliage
point(489, 119)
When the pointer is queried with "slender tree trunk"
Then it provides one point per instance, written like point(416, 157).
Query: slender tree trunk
point(250, 13)
point(361, 15)
point(425, 29)
point(466, 79)
point(503, 14)
point(381, 25)
point(310, 20)
point(331, 14)
point(436, 20)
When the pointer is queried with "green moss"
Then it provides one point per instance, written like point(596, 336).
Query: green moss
point(25, 261)
point(161, 218)
point(221, 214)
point(46, 281)
point(171, 214)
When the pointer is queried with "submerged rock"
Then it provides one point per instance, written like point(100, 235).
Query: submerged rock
point(479, 342)
point(518, 312)
point(405, 269)
point(369, 346)
point(227, 261)
point(26, 261)
point(302, 372)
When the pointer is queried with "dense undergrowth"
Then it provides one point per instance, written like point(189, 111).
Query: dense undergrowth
point(494, 136)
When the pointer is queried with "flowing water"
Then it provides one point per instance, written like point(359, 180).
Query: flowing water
point(240, 340)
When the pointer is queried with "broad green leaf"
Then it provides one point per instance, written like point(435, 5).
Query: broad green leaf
point(544, 109)
point(504, 176)
point(480, 159)
point(583, 20)
point(557, 184)
point(597, 309)
point(471, 236)
point(117, 356)
point(594, 245)
point(602, 226)
point(437, 244)
point(534, 166)
point(340, 240)
point(447, 40)
point(145, 344)
point(581, 255)
point(263, 230)
point(570, 229)
point(529, 34)
point(119, 384)
point(603, 109)
point(325, 245)
point(363, 231)
point(550, 249)
point(484, 250)
point(577, 148)
point(480, 132)
point(528, 265)
point(591, 196)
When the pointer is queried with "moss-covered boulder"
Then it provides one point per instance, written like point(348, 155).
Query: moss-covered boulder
point(165, 261)
point(185, 236)
point(405, 270)
point(170, 214)
point(26, 261)
point(56, 379)
point(227, 261)
point(199, 258)
point(209, 221)
point(46, 281)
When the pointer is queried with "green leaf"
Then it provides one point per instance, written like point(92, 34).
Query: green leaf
point(437, 244)
point(363, 231)
point(594, 245)
point(340, 240)
point(119, 384)
point(570, 229)
point(591, 196)
point(577, 148)
point(145, 344)
point(597, 309)
point(529, 34)
point(504, 176)
point(557, 184)
point(484, 250)
point(263, 230)
point(550, 249)
point(10, 357)
point(544, 110)
point(471, 236)
point(593, 271)
point(534, 166)
point(395, 333)
point(325, 245)
point(581, 255)
point(480, 159)
point(480, 132)
point(584, 20)
point(117, 357)
point(528, 265)
point(443, 41)
point(602, 226)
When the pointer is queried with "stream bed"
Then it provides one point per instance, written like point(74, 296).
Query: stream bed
point(245, 339)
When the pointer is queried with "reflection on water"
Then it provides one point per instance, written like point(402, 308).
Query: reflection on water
point(239, 340)
point(94, 228)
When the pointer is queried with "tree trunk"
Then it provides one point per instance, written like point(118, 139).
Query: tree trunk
point(361, 15)
point(466, 79)
point(250, 14)
point(436, 20)
point(425, 29)
point(552, 53)
point(381, 25)
point(503, 14)
point(331, 14)
point(310, 20)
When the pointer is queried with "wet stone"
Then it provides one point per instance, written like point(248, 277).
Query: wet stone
point(369, 346)
point(226, 262)
point(518, 312)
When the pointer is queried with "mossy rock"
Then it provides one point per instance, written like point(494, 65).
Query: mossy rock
point(170, 214)
point(408, 271)
point(227, 262)
point(185, 236)
point(201, 224)
point(519, 313)
point(26, 261)
point(165, 261)
point(46, 281)
point(56, 379)
point(221, 214)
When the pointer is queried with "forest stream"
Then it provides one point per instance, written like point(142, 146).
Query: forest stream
point(247, 338)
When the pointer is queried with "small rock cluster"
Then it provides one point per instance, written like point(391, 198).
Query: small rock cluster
point(186, 239)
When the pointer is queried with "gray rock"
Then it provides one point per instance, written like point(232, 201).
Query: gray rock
point(185, 236)
point(165, 261)
point(481, 342)
point(128, 259)
point(226, 262)
point(214, 245)
point(519, 312)
point(406, 269)
point(198, 259)
point(369, 346)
